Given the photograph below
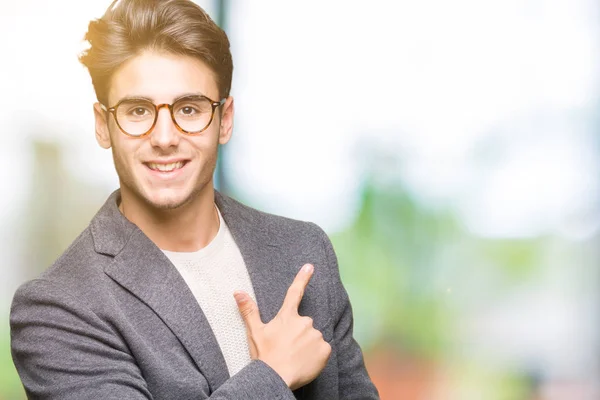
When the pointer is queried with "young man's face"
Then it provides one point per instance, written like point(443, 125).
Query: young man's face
point(166, 168)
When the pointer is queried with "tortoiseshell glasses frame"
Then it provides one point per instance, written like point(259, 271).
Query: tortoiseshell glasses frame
point(113, 110)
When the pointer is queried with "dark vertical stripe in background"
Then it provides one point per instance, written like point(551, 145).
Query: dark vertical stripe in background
point(221, 180)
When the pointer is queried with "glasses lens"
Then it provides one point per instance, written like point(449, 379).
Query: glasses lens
point(193, 114)
point(135, 117)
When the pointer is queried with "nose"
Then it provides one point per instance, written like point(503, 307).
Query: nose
point(165, 133)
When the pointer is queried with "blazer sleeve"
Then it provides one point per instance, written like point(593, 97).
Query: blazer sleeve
point(354, 381)
point(63, 350)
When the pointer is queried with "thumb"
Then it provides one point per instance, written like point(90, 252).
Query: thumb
point(248, 310)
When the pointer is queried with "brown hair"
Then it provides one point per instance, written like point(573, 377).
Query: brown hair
point(175, 26)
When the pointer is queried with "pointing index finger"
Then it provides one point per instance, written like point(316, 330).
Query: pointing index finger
point(296, 289)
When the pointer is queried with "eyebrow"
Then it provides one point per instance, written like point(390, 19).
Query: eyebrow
point(190, 95)
point(151, 100)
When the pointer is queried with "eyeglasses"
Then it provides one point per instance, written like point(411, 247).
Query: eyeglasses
point(137, 117)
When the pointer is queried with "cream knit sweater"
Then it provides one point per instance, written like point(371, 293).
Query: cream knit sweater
point(213, 274)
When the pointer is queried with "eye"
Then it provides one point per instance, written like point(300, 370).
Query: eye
point(188, 110)
point(139, 111)
point(192, 108)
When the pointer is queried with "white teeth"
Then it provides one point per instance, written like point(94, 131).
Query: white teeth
point(165, 167)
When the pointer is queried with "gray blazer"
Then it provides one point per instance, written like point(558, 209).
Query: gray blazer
point(113, 319)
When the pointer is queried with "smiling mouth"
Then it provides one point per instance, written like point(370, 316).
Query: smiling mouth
point(166, 167)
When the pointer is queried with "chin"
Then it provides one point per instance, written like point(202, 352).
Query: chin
point(167, 205)
point(168, 201)
point(171, 199)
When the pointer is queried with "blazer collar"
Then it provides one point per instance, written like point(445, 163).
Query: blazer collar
point(111, 230)
point(143, 269)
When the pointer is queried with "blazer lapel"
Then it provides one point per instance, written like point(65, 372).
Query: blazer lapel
point(147, 273)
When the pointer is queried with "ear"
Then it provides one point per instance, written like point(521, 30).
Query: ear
point(102, 133)
point(226, 127)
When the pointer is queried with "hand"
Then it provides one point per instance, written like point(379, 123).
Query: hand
point(288, 343)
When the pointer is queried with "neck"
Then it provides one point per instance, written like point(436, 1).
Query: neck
point(187, 228)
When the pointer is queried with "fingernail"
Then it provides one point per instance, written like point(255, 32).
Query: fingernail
point(308, 268)
point(240, 297)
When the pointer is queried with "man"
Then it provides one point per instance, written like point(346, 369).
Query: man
point(164, 295)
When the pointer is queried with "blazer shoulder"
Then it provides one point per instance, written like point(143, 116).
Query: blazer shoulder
point(285, 229)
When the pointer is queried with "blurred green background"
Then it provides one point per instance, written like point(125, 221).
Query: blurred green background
point(450, 150)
